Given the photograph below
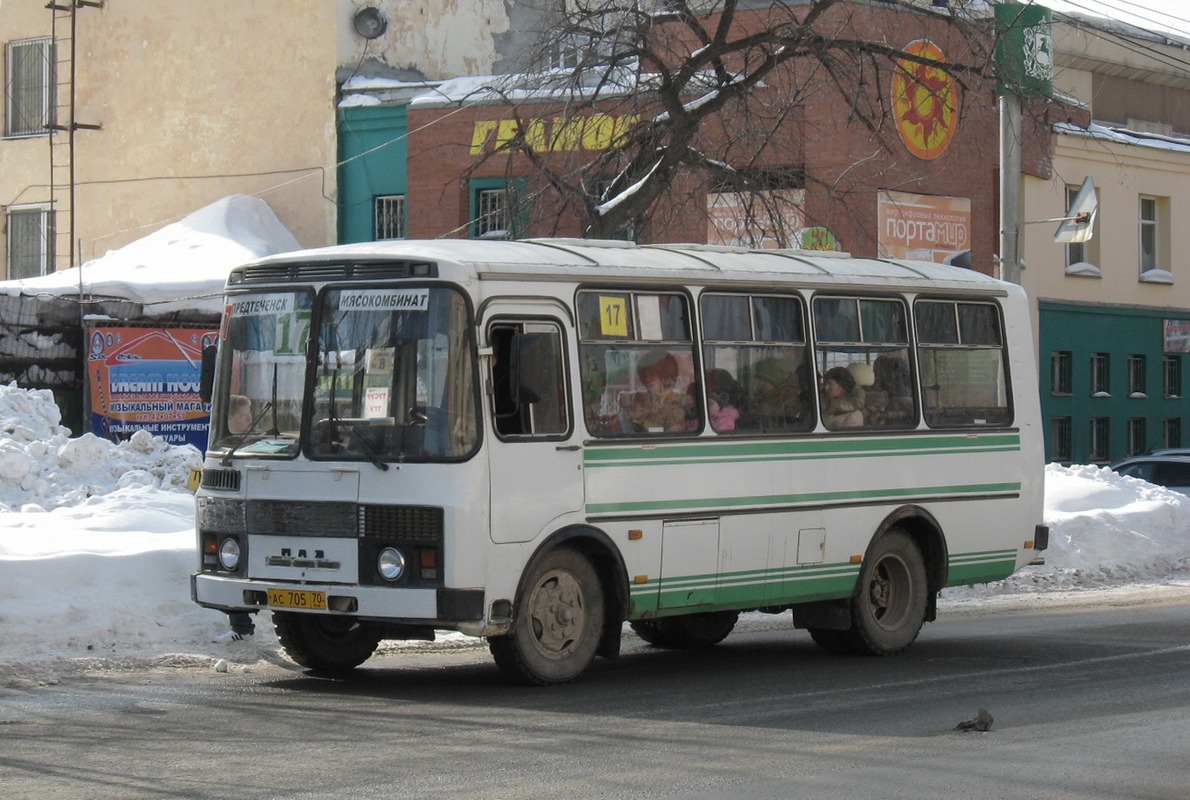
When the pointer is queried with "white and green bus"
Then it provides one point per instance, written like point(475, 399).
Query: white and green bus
point(536, 442)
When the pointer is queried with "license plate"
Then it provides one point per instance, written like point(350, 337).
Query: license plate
point(293, 598)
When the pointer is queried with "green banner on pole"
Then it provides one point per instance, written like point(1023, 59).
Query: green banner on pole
point(1024, 50)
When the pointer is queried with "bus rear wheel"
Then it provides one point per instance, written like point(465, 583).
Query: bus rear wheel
point(557, 623)
point(331, 645)
point(889, 606)
point(687, 630)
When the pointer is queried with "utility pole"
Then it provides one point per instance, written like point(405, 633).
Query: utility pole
point(1010, 188)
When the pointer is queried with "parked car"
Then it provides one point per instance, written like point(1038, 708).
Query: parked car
point(1169, 468)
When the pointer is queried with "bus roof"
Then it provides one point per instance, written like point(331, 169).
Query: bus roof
point(587, 259)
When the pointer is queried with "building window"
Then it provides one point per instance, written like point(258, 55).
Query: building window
point(1154, 238)
point(1136, 376)
point(1060, 381)
point(1137, 436)
point(389, 212)
point(30, 242)
point(1171, 369)
point(1060, 439)
point(1099, 438)
point(1172, 433)
point(1100, 375)
point(29, 88)
point(495, 212)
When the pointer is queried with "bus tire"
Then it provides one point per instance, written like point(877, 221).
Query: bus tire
point(889, 606)
point(557, 623)
point(835, 642)
point(327, 644)
point(688, 631)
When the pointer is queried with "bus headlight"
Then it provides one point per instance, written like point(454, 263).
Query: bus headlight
point(229, 553)
point(390, 563)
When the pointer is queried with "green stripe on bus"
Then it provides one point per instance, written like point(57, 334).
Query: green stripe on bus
point(596, 456)
point(787, 585)
point(703, 503)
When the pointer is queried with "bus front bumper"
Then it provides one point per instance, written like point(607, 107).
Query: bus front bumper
point(460, 609)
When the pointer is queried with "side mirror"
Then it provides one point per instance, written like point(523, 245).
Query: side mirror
point(206, 378)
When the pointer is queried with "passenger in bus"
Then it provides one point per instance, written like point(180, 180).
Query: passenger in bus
point(722, 396)
point(239, 414)
point(776, 400)
point(660, 407)
point(723, 414)
point(842, 399)
point(889, 401)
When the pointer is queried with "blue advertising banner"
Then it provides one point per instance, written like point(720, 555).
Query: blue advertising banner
point(146, 378)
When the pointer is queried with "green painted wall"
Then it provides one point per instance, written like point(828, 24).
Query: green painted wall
point(1119, 331)
point(373, 153)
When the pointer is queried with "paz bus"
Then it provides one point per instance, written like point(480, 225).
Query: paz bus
point(537, 442)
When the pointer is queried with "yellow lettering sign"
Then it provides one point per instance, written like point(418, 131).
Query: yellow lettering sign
point(557, 135)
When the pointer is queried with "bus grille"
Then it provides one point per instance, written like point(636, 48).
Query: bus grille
point(223, 480)
point(423, 523)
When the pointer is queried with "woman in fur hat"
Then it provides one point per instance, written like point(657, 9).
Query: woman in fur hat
point(842, 399)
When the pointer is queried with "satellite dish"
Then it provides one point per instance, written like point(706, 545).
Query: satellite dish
point(1079, 223)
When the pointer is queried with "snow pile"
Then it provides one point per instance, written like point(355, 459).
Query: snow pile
point(41, 468)
point(1106, 530)
point(97, 546)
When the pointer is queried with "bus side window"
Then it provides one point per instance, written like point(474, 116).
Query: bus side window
point(528, 385)
point(964, 370)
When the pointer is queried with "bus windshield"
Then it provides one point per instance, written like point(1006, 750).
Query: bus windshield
point(394, 376)
point(392, 380)
point(263, 371)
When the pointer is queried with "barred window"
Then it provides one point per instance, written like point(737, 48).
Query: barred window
point(1136, 376)
point(1137, 436)
point(389, 211)
point(1172, 432)
point(30, 242)
point(1171, 369)
point(1100, 374)
point(1060, 439)
point(29, 87)
point(492, 217)
point(1060, 371)
point(1100, 444)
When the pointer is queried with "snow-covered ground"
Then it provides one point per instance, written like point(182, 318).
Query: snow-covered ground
point(97, 545)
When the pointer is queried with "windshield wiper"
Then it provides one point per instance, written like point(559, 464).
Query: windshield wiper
point(226, 460)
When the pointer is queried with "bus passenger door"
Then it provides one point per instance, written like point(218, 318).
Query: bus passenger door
point(534, 451)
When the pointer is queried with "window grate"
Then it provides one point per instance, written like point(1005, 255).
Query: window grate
point(389, 212)
point(29, 89)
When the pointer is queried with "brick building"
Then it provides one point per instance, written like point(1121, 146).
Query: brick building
point(874, 189)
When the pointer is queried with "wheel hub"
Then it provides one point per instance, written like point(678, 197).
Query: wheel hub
point(557, 613)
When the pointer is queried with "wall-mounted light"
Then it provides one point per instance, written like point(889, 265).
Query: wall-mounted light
point(369, 22)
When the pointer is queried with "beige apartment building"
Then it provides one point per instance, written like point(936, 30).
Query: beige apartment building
point(121, 116)
point(1113, 313)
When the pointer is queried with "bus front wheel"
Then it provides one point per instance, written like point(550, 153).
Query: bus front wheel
point(557, 623)
point(331, 645)
point(889, 606)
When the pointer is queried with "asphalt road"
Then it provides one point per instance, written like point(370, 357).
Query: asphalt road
point(1087, 703)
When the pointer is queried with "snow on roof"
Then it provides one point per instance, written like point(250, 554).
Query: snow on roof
point(1121, 135)
point(183, 265)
